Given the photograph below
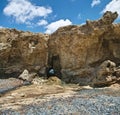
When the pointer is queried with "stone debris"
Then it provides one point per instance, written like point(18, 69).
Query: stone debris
point(97, 101)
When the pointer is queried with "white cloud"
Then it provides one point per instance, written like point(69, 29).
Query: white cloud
point(1, 27)
point(95, 2)
point(83, 23)
point(23, 10)
point(55, 25)
point(113, 6)
point(42, 23)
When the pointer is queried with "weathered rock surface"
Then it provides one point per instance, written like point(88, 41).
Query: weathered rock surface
point(76, 52)
point(107, 74)
point(22, 50)
point(9, 84)
point(26, 76)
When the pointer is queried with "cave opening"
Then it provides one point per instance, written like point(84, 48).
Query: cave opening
point(54, 66)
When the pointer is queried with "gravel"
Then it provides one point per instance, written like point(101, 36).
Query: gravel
point(97, 101)
point(84, 102)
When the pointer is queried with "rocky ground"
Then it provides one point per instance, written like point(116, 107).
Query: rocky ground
point(47, 99)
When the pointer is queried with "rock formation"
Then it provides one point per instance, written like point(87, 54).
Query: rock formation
point(78, 54)
point(22, 50)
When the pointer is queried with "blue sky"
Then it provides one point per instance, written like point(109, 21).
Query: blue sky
point(47, 15)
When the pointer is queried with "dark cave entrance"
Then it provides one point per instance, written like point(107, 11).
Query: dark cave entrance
point(54, 67)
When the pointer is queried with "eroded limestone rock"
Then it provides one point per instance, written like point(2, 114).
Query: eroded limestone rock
point(76, 52)
point(22, 50)
point(107, 74)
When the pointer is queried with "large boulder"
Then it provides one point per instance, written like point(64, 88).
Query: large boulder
point(76, 52)
point(26, 76)
point(107, 74)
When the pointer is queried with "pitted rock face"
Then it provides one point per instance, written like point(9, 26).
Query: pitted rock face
point(107, 19)
point(22, 50)
point(82, 49)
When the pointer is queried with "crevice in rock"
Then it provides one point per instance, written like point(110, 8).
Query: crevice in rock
point(54, 63)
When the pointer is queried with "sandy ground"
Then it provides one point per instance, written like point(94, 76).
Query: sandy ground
point(21, 98)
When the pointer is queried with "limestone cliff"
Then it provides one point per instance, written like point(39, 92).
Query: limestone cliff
point(77, 51)
point(22, 50)
point(78, 54)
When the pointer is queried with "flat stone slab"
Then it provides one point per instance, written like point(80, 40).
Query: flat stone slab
point(9, 84)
